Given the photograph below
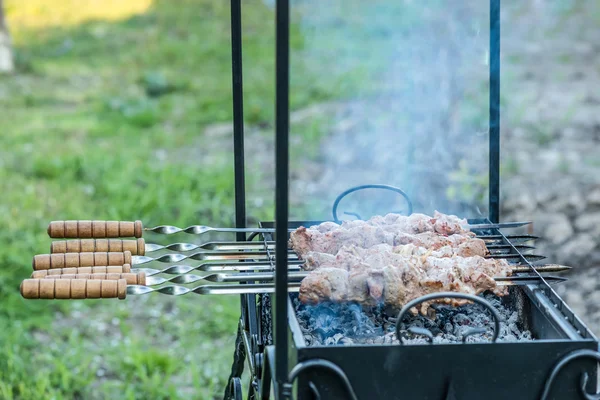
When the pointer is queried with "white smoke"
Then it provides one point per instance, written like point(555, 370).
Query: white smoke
point(414, 76)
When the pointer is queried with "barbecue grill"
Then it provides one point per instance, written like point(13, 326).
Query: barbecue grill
point(560, 364)
point(273, 340)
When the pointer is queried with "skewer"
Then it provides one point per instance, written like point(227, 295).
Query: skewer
point(228, 267)
point(201, 229)
point(517, 257)
point(263, 255)
point(117, 229)
point(259, 267)
point(501, 247)
point(294, 277)
point(499, 226)
point(207, 255)
point(106, 288)
point(67, 260)
point(140, 247)
point(294, 265)
point(175, 290)
point(512, 238)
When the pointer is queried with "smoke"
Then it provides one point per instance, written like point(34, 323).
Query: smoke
point(412, 76)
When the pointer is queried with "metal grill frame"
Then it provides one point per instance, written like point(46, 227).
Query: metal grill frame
point(277, 356)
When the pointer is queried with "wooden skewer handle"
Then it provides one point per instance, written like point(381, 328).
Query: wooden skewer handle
point(132, 279)
point(113, 269)
point(67, 260)
point(94, 229)
point(73, 289)
point(136, 247)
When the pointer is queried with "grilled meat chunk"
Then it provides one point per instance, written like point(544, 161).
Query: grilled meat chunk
point(393, 229)
point(331, 283)
point(394, 259)
point(395, 279)
point(383, 254)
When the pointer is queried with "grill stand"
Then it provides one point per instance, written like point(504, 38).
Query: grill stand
point(268, 363)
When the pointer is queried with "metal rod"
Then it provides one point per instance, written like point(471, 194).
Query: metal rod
point(499, 226)
point(216, 267)
point(494, 174)
point(297, 276)
point(256, 288)
point(511, 238)
point(264, 255)
point(295, 265)
point(221, 246)
point(282, 111)
point(208, 255)
point(238, 117)
point(202, 229)
point(175, 290)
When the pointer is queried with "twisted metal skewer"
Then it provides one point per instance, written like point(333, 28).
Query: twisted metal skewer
point(175, 290)
point(295, 265)
point(201, 229)
point(216, 267)
point(265, 255)
point(223, 278)
point(206, 256)
point(223, 246)
point(232, 246)
point(297, 276)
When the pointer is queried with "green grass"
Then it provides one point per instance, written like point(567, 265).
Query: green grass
point(104, 119)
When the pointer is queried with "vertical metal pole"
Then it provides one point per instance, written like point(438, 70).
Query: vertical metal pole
point(239, 355)
point(494, 178)
point(238, 117)
point(282, 114)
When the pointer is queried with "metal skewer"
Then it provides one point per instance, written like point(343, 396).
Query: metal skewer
point(207, 255)
point(499, 226)
point(261, 266)
point(512, 238)
point(263, 255)
point(217, 267)
point(201, 229)
point(293, 277)
point(220, 246)
point(175, 290)
point(66, 260)
point(116, 229)
point(76, 288)
point(140, 247)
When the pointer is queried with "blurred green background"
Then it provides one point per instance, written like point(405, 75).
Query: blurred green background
point(121, 110)
point(103, 119)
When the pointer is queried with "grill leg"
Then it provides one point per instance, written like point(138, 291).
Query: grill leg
point(235, 386)
point(239, 357)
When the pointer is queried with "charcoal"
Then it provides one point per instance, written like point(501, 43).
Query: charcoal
point(346, 324)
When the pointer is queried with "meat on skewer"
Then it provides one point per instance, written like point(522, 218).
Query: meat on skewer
point(306, 240)
point(397, 279)
point(415, 223)
point(393, 229)
point(385, 254)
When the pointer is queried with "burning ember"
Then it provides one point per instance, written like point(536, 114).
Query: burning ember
point(334, 324)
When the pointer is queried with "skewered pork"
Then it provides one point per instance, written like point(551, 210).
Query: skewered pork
point(415, 223)
point(394, 279)
point(306, 240)
point(384, 254)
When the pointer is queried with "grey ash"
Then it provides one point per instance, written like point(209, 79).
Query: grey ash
point(349, 323)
